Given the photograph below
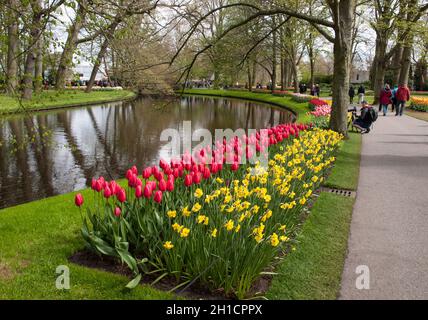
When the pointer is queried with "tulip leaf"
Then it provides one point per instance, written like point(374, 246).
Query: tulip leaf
point(134, 282)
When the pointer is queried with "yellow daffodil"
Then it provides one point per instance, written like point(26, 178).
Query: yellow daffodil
point(168, 245)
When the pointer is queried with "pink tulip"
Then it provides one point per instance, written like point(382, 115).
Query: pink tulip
point(147, 173)
point(107, 192)
point(134, 170)
point(188, 180)
point(117, 212)
point(139, 192)
point(147, 191)
point(158, 196)
point(121, 195)
point(78, 200)
point(170, 185)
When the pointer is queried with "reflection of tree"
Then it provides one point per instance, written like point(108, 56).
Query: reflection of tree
point(21, 156)
point(113, 163)
point(41, 152)
point(78, 156)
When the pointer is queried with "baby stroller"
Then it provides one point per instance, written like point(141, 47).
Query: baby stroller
point(364, 122)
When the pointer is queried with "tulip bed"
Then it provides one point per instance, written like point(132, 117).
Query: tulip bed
point(419, 104)
point(220, 224)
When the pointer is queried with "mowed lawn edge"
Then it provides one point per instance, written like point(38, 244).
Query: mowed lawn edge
point(67, 98)
point(314, 270)
point(39, 236)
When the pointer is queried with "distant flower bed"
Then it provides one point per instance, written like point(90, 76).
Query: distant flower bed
point(96, 88)
point(419, 104)
point(220, 224)
point(314, 103)
point(298, 97)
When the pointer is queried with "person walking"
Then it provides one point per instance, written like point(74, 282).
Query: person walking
point(394, 98)
point(385, 99)
point(361, 93)
point(403, 95)
point(317, 90)
point(351, 94)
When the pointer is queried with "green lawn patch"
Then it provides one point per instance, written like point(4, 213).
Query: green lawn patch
point(41, 235)
point(51, 99)
point(314, 270)
point(345, 172)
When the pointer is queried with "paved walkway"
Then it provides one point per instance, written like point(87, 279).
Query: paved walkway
point(389, 229)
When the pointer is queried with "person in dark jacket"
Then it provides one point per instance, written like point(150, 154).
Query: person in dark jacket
point(385, 99)
point(361, 93)
point(351, 94)
point(402, 96)
point(364, 121)
point(317, 90)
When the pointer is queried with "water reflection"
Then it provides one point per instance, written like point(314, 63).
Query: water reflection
point(58, 152)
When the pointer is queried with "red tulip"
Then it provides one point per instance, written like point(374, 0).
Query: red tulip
point(113, 187)
point(129, 174)
point(138, 192)
point(107, 192)
point(158, 196)
point(134, 170)
point(99, 185)
point(147, 191)
point(206, 173)
point(147, 173)
point(162, 185)
point(176, 173)
point(163, 163)
point(170, 185)
point(155, 170)
point(93, 183)
point(234, 166)
point(188, 180)
point(197, 178)
point(78, 200)
point(117, 212)
point(121, 195)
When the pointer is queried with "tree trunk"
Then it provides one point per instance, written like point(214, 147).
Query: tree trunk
point(396, 64)
point(311, 59)
point(69, 48)
point(295, 77)
point(274, 57)
point(109, 32)
point(12, 50)
point(32, 49)
point(250, 76)
point(405, 65)
point(342, 56)
point(38, 72)
point(379, 65)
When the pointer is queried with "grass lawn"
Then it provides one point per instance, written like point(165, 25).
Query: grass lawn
point(39, 236)
point(55, 99)
point(417, 114)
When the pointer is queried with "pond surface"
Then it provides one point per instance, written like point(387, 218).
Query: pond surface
point(50, 153)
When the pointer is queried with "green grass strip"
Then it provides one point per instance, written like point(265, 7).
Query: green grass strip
point(314, 269)
point(346, 170)
point(51, 99)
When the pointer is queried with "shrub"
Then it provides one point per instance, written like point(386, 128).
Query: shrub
point(219, 224)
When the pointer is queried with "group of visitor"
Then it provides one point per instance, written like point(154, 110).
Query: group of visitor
point(361, 93)
point(315, 89)
point(396, 97)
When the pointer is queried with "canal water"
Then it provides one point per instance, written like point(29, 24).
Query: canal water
point(55, 152)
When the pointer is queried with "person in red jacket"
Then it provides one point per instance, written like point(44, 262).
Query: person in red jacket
point(385, 99)
point(402, 95)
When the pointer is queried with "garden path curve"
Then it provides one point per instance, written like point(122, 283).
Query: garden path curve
point(389, 228)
